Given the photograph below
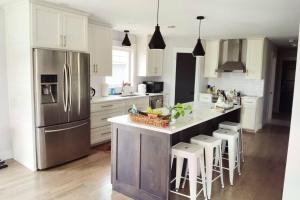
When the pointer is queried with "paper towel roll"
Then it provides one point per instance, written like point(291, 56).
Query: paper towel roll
point(142, 88)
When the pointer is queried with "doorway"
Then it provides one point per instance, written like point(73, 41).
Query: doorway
point(284, 87)
point(287, 86)
point(185, 78)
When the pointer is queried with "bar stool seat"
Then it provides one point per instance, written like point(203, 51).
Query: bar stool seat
point(237, 127)
point(210, 144)
point(194, 155)
point(232, 138)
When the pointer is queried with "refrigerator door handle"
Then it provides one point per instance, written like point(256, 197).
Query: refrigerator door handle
point(66, 89)
point(65, 129)
point(69, 88)
point(79, 84)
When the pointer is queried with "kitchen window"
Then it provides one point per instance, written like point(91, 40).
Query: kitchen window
point(121, 67)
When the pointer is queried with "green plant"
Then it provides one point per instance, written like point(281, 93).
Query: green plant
point(179, 110)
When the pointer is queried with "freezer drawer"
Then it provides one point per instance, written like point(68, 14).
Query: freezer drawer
point(62, 143)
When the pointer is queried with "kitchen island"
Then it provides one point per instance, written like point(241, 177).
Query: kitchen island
point(141, 154)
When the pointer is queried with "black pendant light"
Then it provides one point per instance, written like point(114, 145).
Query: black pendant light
point(157, 41)
point(126, 42)
point(199, 50)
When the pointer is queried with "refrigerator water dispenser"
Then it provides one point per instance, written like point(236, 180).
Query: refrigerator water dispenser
point(49, 89)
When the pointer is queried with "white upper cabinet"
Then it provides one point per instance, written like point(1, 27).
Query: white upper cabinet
point(75, 29)
point(211, 59)
point(100, 48)
point(155, 62)
point(46, 27)
point(54, 28)
point(149, 62)
point(255, 62)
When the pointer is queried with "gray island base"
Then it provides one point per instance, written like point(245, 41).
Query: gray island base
point(141, 154)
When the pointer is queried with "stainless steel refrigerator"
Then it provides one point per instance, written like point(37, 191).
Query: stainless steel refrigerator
point(62, 106)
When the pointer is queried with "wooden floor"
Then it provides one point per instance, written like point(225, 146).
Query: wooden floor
point(89, 178)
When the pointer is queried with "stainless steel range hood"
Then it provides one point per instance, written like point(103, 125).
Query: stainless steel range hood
point(232, 56)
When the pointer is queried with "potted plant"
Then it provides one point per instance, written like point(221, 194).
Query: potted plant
point(179, 110)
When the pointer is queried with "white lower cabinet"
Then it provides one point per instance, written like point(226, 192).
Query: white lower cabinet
point(101, 134)
point(100, 112)
point(251, 113)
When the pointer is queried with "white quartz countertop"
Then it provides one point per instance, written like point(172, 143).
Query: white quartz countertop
point(201, 113)
point(119, 97)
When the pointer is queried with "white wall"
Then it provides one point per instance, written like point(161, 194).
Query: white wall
point(20, 82)
point(292, 174)
point(5, 139)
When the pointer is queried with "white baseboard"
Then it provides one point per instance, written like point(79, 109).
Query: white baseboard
point(6, 154)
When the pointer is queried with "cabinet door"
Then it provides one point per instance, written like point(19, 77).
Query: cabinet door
point(103, 51)
point(91, 48)
point(212, 52)
point(46, 27)
point(75, 32)
point(254, 61)
point(155, 62)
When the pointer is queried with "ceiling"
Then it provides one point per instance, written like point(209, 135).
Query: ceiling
point(277, 19)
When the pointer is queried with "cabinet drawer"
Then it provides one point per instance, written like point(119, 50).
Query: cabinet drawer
point(99, 119)
point(95, 107)
point(101, 134)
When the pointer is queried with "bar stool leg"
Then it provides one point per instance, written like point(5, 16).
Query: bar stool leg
point(219, 149)
point(192, 163)
point(201, 163)
point(242, 144)
point(179, 164)
point(232, 159)
point(238, 156)
point(209, 165)
point(185, 176)
point(223, 146)
point(217, 156)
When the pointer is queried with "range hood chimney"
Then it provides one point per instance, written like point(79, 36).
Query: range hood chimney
point(232, 56)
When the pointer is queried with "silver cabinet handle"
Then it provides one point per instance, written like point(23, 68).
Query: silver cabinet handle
point(106, 133)
point(96, 68)
point(106, 106)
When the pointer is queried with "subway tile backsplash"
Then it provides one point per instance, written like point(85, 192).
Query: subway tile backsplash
point(230, 81)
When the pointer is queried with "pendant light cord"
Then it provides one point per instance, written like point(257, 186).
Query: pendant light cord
point(157, 12)
point(199, 27)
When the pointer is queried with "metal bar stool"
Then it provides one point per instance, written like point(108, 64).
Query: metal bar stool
point(238, 128)
point(210, 144)
point(194, 155)
point(231, 137)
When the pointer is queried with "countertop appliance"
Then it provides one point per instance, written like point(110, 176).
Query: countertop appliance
point(154, 86)
point(142, 88)
point(62, 106)
point(156, 101)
